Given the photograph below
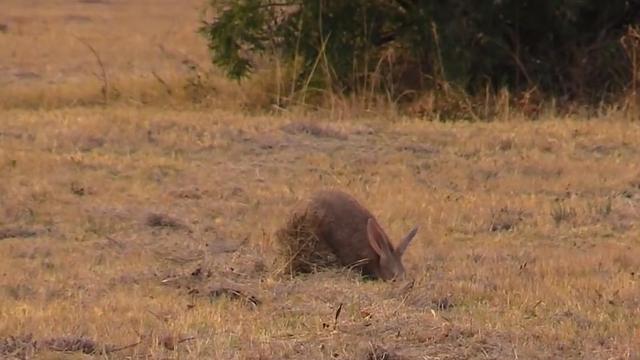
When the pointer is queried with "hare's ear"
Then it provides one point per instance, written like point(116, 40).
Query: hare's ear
point(402, 247)
point(377, 239)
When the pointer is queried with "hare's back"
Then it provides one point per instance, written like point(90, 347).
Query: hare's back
point(341, 208)
point(341, 222)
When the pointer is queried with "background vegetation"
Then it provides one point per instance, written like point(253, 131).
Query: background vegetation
point(576, 51)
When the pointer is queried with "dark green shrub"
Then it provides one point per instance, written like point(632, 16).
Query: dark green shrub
point(564, 48)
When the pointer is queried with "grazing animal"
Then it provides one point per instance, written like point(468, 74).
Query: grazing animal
point(354, 235)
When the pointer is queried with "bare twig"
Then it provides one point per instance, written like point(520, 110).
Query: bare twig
point(103, 72)
point(166, 86)
point(115, 242)
point(335, 319)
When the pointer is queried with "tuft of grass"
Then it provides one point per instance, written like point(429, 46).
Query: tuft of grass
point(299, 250)
point(562, 213)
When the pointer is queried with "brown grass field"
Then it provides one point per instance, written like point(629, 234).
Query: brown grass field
point(148, 222)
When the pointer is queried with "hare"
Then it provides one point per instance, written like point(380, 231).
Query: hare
point(354, 235)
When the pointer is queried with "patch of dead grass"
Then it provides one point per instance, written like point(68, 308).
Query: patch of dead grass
point(495, 271)
point(299, 250)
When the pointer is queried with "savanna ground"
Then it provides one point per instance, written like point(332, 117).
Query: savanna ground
point(152, 226)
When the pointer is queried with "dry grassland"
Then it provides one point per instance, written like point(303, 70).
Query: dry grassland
point(145, 226)
point(148, 48)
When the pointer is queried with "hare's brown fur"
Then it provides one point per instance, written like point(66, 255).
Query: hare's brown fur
point(353, 234)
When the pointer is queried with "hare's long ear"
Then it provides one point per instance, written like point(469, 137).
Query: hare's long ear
point(402, 247)
point(377, 239)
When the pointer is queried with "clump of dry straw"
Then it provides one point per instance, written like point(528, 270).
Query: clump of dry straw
point(298, 247)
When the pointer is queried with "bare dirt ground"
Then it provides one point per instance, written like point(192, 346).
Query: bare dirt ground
point(131, 231)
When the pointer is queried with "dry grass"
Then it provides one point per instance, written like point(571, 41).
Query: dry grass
point(298, 249)
point(149, 50)
point(137, 225)
point(166, 221)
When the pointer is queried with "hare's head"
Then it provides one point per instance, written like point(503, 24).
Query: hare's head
point(390, 259)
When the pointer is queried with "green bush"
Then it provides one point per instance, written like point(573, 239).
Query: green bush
point(566, 48)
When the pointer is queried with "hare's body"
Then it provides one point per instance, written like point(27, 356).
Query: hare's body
point(353, 234)
point(340, 222)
